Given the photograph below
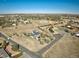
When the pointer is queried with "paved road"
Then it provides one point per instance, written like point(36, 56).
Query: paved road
point(29, 54)
point(55, 39)
point(38, 54)
point(3, 53)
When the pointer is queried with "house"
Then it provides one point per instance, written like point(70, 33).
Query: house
point(36, 34)
point(77, 34)
point(26, 22)
point(13, 51)
point(14, 24)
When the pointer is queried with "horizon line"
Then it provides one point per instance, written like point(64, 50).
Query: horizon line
point(41, 13)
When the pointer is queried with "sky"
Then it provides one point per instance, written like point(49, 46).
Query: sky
point(39, 6)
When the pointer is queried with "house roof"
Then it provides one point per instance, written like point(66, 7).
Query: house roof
point(35, 33)
point(77, 33)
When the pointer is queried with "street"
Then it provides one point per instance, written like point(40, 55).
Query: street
point(28, 53)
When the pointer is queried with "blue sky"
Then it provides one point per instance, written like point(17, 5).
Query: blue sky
point(39, 6)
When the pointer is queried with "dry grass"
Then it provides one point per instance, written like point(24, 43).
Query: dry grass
point(67, 46)
point(27, 42)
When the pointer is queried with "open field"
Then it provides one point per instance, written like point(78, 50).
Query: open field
point(67, 47)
